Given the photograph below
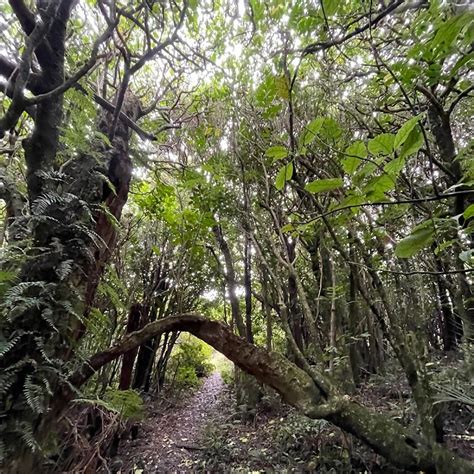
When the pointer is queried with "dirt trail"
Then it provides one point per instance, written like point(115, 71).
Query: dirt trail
point(167, 439)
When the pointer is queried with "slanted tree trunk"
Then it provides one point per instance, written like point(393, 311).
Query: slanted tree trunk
point(402, 447)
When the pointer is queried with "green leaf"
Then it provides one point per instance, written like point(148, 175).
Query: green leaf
point(288, 228)
point(289, 171)
point(378, 186)
point(277, 152)
point(282, 88)
point(449, 31)
point(354, 152)
point(330, 129)
point(469, 212)
point(413, 143)
point(266, 91)
point(312, 129)
point(352, 200)
point(404, 131)
point(323, 185)
point(280, 178)
point(394, 167)
point(284, 174)
point(421, 237)
point(382, 144)
point(330, 7)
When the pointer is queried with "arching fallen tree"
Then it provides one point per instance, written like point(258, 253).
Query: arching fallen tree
point(400, 446)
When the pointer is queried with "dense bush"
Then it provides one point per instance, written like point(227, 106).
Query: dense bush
point(190, 361)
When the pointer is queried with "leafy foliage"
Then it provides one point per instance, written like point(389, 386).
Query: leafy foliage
point(190, 362)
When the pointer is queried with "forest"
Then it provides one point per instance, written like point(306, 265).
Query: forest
point(236, 236)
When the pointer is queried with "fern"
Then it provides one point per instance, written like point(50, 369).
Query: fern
point(53, 175)
point(34, 395)
point(7, 379)
point(64, 269)
point(25, 430)
point(47, 316)
point(107, 181)
point(5, 346)
point(69, 309)
point(127, 402)
point(110, 217)
point(16, 291)
point(46, 201)
point(40, 344)
point(92, 236)
point(96, 402)
point(453, 394)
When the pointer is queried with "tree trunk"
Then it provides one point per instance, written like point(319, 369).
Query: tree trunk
point(134, 323)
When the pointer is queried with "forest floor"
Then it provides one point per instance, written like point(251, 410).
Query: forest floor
point(168, 437)
point(205, 431)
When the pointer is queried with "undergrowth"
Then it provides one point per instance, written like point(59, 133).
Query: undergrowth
point(190, 362)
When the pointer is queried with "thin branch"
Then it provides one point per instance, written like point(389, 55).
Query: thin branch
point(389, 203)
point(458, 99)
point(321, 46)
point(432, 98)
point(128, 121)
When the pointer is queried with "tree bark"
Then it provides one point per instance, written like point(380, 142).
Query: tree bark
point(128, 359)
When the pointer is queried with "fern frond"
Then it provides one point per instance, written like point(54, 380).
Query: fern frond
point(448, 393)
point(34, 395)
point(5, 346)
point(25, 430)
point(53, 175)
point(47, 316)
point(20, 289)
point(64, 269)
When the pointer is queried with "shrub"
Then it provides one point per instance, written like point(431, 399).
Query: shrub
point(126, 402)
point(190, 361)
point(227, 374)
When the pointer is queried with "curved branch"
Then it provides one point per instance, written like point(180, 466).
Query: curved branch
point(385, 436)
point(462, 95)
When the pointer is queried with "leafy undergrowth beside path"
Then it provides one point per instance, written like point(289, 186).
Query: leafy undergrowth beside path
point(280, 439)
point(205, 432)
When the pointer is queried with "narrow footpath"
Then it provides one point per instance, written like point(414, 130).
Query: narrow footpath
point(168, 439)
